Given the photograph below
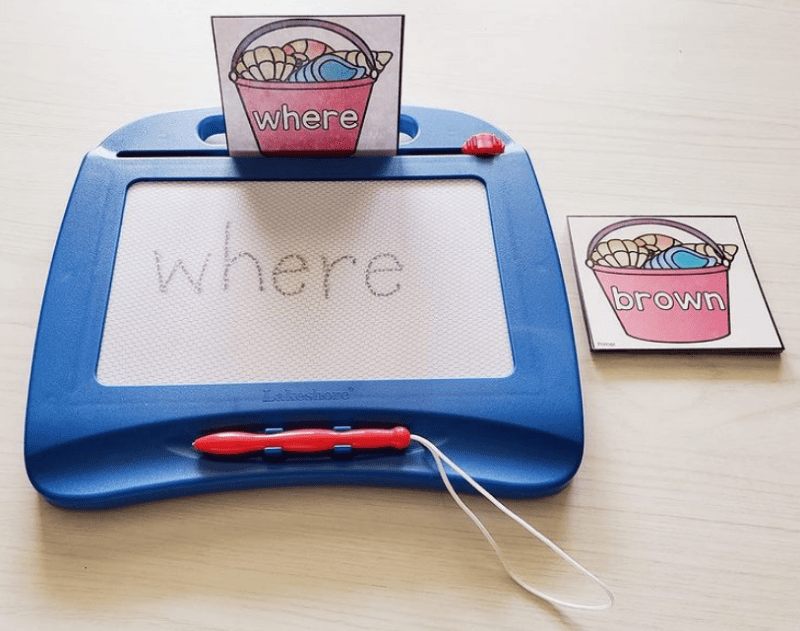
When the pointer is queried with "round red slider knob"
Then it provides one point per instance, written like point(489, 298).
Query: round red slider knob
point(484, 144)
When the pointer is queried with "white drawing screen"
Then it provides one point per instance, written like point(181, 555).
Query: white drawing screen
point(240, 282)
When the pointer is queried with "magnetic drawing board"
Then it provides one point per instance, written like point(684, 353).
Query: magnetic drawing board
point(191, 292)
point(220, 282)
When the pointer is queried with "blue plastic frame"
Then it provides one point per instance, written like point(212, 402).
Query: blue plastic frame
point(92, 446)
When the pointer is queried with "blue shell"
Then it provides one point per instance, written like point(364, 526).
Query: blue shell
point(679, 257)
point(327, 68)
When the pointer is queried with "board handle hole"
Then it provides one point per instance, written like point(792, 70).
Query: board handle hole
point(212, 130)
point(408, 129)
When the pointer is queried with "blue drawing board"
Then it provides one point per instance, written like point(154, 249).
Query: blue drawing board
point(193, 293)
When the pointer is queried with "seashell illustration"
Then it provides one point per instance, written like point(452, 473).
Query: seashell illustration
point(305, 50)
point(327, 68)
point(618, 253)
point(357, 58)
point(729, 249)
point(265, 63)
point(680, 257)
point(656, 242)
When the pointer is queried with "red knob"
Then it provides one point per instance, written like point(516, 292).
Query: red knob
point(484, 144)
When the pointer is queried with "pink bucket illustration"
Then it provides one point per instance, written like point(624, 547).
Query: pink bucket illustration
point(666, 305)
point(298, 118)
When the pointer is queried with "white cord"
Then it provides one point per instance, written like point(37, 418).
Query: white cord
point(438, 456)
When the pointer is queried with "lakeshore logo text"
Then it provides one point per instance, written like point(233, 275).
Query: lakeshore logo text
point(284, 395)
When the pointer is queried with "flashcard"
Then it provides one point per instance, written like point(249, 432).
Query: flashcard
point(310, 86)
point(669, 283)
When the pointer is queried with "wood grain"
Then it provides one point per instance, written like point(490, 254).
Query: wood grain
point(687, 500)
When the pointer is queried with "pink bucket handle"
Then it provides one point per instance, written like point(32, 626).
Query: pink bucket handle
point(638, 221)
point(307, 22)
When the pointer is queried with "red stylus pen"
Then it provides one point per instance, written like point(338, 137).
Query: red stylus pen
point(302, 441)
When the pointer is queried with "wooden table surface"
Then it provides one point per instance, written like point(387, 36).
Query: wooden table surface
point(687, 500)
